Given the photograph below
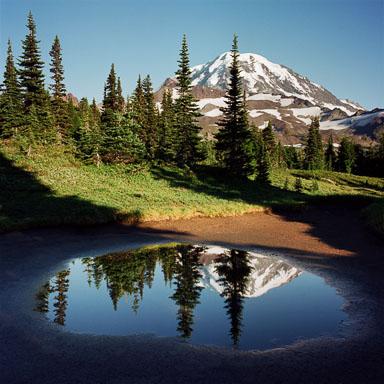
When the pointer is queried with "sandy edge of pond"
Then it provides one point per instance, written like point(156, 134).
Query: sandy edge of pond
point(327, 240)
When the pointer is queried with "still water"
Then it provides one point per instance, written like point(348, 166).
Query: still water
point(206, 295)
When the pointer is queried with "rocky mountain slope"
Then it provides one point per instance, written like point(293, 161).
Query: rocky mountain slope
point(276, 93)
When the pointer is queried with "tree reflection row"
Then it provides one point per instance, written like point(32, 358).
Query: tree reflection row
point(127, 273)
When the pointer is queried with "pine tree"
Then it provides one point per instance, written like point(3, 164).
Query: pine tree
point(330, 155)
point(167, 145)
point(292, 158)
point(270, 144)
point(149, 118)
point(346, 156)
point(234, 139)
point(314, 149)
point(32, 84)
point(11, 105)
point(59, 104)
point(189, 151)
point(74, 119)
point(31, 71)
point(263, 166)
point(120, 97)
point(280, 152)
point(119, 143)
point(137, 109)
point(111, 97)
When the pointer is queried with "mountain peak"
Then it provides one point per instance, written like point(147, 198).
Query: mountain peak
point(263, 76)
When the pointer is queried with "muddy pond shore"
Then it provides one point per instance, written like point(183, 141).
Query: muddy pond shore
point(327, 240)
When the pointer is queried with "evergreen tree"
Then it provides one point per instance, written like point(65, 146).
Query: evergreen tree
point(314, 148)
point(292, 158)
point(270, 144)
point(263, 166)
point(32, 84)
point(120, 97)
point(11, 105)
point(111, 98)
point(149, 123)
point(346, 156)
point(59, 104)
point(167, 145)
point(189, 151)
point(95, 114)
point(31, 71)
point(280, 151)
point(330, 155)
point(234, 139)
point(138, 108)
point(119, 144)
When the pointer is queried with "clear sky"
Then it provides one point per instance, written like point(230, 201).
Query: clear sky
point(336, 43)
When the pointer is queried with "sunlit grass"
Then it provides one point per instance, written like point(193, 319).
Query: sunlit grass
point(58, 189)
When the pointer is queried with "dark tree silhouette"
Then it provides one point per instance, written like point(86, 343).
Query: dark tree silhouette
point(234, 271)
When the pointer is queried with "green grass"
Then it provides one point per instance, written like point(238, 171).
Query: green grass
point(51, 187)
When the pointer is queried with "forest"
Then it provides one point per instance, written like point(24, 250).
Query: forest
point(134, 130)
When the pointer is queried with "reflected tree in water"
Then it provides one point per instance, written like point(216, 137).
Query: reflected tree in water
point(187, 293)
point(42, 298)
point(88, 261)
point(234, 270)
point(126, 273)
point(167, 257)
point(60, 287)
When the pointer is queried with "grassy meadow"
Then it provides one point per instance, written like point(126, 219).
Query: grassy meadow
point(49, 186)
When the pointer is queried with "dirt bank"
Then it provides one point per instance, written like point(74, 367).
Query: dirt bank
point(327, 240)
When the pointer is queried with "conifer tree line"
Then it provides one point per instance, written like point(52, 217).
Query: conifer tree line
point(135, 130)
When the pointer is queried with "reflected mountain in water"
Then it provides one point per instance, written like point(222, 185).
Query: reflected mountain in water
point(207, 295)
point(267, 272)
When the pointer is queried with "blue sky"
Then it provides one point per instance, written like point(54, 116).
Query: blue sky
point(336, 43)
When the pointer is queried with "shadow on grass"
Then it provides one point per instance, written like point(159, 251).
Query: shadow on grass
point(342, 179)
point(216, 182)
point(25, 202)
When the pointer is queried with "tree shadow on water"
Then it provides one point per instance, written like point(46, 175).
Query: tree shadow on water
point(26, 202)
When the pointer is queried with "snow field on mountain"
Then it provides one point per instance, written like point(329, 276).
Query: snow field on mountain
point(267, 273)
point(350, 122)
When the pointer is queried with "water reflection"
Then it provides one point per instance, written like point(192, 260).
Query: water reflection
point(205, 294)
point(234, 270)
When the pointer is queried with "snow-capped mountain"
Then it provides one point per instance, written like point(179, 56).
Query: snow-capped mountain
point(267, 273)
point(261, 76)
point(278, 94)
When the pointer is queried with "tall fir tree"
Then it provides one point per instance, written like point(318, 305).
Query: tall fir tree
point(330, 155)
point(189, 151)
point(31, 68)
point(313, 151)
point(150, 118)
point(120, 97)
point(111, 97)
point(167, 145)
point(270, 144)
point(11, 105)
point(137, 109)
point(32, 83)
point(59, 104)
point(346, 156)
point(234, 143)
point(263, 165)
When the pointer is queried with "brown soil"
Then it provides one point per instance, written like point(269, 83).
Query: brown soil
point(329, 240)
